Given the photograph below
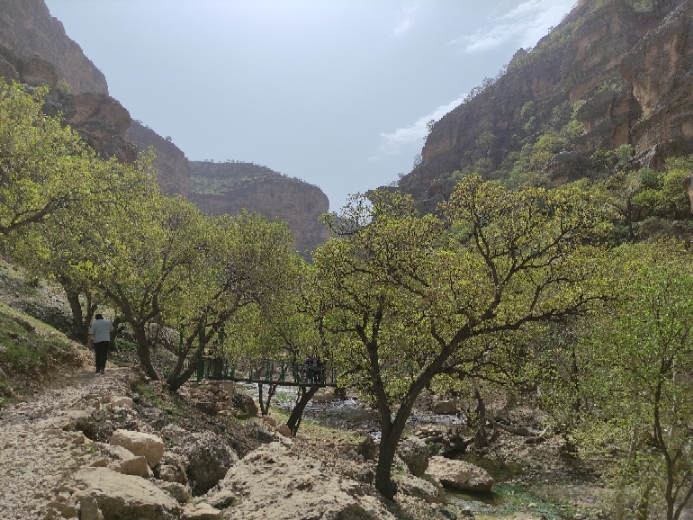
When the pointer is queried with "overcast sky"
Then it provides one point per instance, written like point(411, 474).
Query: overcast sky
point(335, 92)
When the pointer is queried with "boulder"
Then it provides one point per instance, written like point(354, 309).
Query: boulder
point(172, 469)
point(210, 458)
point(124, 496)
point(275, 482)
point(368, 448)
point(135, 466)
point(121, 402)
point(459, 474)
point(201, 511)
point(415, 455)
point(245, 404)
point(138, 443)
point(89, 509)
point(428, 489)
point(176, 490)
point(444, 407)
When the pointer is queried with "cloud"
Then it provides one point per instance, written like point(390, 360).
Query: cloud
point(526, 24)
point(405, 19)
point(393, 143)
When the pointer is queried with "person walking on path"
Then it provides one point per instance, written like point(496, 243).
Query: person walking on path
point(100, 337)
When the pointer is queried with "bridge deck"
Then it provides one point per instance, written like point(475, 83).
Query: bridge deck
point(267, 371)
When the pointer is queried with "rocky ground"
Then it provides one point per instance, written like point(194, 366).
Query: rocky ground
point(61, 448)
point(67, 438)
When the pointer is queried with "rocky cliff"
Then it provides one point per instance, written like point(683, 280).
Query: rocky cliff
point(100, 120)
point(28, 30)
point(35, 50)
point(233, 186)
point(171, 164)
point(613, 73)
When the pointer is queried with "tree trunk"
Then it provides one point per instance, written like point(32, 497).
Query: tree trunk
point(304, 396)
point(390, 437)
point(481, 436)
point(144, 352)
point(178, 378)
point(265, 405)
point(81, 317)
point(386, 456)
point(642, 511)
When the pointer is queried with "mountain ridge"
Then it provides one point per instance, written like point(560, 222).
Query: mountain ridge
point(610, 73)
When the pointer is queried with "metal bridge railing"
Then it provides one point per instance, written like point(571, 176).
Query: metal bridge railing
point(269, 371)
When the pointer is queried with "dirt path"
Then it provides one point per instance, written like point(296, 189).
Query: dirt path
point(38, 456)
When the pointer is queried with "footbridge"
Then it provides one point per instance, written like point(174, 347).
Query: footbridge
point(267, 371)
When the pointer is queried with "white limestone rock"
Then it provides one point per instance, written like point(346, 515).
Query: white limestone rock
point(138, 443)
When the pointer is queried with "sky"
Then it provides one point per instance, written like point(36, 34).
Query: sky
point(334, 92)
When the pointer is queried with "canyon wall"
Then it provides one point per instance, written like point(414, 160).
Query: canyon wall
point(622, 73)
point(28, 30)
point(231, 187)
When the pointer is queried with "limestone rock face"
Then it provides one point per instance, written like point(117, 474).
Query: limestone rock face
point(276, 483)
point(230, 187)
point(459, 474)
point(140, 444)
point(124, 496)
point(28, 29)
point(626, 72)
point(171, 164)
point(99, 119)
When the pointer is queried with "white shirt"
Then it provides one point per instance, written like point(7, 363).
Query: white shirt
point(101, 329)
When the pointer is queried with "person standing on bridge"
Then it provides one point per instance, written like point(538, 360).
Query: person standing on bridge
point(100, 338)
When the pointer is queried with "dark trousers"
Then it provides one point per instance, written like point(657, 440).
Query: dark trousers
point(101, 354)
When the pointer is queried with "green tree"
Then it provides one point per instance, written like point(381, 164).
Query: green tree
point(637, 383)
point(415, 301)
point(61, 246)
point(247, 261)
point(44, 166)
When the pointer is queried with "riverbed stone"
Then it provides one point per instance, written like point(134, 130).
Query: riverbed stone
point(459, 474)
point(446, 407)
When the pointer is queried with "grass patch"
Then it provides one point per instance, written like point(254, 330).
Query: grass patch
point(311, 430)
point(145, 391)
point(516, 499)
point(27, 344)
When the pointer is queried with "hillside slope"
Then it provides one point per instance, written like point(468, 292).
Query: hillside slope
point(609, 75)
point(231, 187)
